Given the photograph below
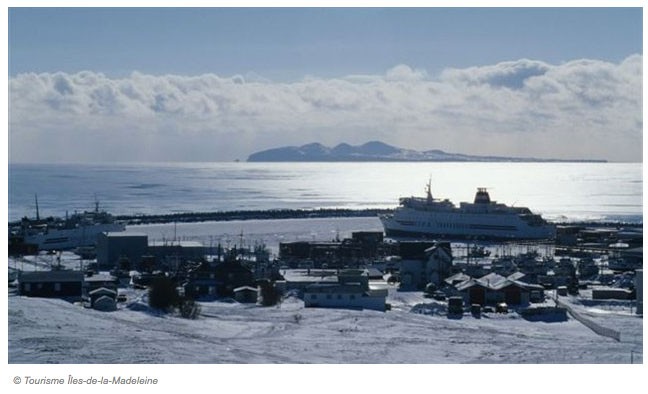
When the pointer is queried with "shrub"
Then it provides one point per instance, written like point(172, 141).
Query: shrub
point(189, 309)
point(162, 293)
point(269, 293)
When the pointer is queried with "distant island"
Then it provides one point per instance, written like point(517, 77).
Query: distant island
point(379, 151)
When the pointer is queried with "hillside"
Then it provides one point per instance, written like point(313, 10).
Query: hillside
point(416, 330)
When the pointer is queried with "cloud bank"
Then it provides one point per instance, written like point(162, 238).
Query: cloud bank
point(578, 109)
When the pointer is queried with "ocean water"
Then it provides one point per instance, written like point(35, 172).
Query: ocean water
point(558, 191)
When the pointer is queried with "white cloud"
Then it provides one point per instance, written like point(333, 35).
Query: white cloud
point(403, 72)
point(511, 75)
point(521, 108)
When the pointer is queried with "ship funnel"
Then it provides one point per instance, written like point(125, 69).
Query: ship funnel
point(482, 197)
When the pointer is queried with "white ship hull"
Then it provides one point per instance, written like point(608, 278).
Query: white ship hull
point(483, 219)
point(457, 225)
point(59, 239)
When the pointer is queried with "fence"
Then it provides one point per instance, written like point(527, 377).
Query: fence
point(597, 328)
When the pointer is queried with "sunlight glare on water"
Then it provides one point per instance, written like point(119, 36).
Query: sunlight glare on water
point(573, 191)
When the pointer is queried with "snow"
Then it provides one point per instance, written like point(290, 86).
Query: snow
point(415, 333)
point(55, 331)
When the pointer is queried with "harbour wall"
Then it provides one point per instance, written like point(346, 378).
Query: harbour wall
point(190, 217)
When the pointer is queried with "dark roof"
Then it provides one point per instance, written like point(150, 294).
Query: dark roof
point(336, 288)
point(51, 276)
point(101, 278)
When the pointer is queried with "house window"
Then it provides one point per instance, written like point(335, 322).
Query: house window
point(57, 287)
point(313, 296)
point(27, 287)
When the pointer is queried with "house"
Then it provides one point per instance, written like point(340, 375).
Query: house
point(348, 295)
point(433, 266)
point(54, 284)
point(494, 288)
point(230, 275)
point(353, 290)
point(300, 279)
point(246, 294)
point(203, 285)
point(200, 281)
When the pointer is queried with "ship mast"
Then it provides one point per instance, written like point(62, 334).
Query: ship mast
point(96, 201)
point(37, 213)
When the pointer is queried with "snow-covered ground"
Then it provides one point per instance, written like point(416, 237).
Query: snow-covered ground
point(415, 331)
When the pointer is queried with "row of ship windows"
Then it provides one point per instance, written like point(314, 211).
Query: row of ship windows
point(441, 225)
point(460, 226)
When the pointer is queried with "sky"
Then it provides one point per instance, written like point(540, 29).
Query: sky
point(217, 84)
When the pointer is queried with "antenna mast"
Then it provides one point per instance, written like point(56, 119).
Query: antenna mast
point(37, 213)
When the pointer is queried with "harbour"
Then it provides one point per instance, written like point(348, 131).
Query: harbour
point(325, 257)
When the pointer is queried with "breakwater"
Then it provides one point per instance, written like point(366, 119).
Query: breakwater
point(190, 217)
point(194, 217)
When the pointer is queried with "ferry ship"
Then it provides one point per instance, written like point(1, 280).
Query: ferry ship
point(483, 219)
point(77, 230)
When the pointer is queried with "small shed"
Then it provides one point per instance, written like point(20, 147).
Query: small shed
point(105, 304)
point(246, 294)
point(100, 293)
point(103, 299)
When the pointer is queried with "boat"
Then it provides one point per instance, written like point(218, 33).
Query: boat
point(428, 217)
point(75, 231)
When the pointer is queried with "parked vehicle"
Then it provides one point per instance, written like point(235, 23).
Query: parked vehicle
point(475, 310)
